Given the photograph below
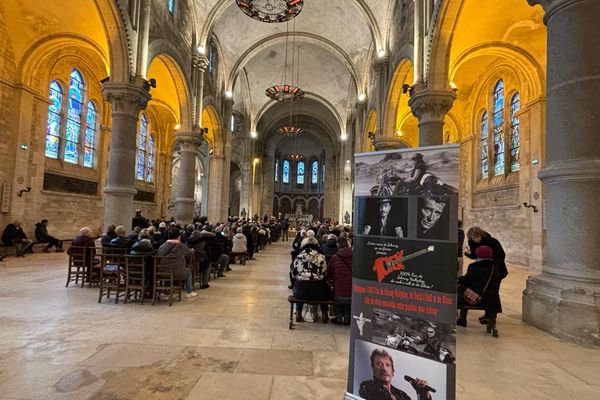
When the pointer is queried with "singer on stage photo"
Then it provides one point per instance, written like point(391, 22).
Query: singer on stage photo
point(380, 387)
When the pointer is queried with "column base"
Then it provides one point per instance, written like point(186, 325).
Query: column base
point(565, 309)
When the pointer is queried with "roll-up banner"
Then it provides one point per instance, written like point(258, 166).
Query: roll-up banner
point(403, 342)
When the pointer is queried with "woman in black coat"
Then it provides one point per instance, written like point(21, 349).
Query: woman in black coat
point(478, 237)
point(482, 277)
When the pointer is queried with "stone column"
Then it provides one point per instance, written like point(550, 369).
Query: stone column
point(227, 136)
point(184, 202)
point(143, 39)
point(430, 106)
point(564, 299)
point(215, 191)
point(127, 100)
point(268, 190)
point(200, 63)
point(381, 72)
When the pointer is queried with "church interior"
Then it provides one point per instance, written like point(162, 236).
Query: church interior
point(223, 109)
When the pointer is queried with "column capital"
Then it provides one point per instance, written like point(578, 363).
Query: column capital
point(388, 143)
point(126, 98)
point(430, 105)
point(552, 6)
point(200, 62)
point(188, 141)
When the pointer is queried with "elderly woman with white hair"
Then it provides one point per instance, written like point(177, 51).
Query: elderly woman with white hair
point(84, 239)
point(309, 271)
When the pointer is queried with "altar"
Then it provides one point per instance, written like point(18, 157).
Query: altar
point(298, 219)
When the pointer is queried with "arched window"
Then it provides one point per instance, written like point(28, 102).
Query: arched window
point(484, 145)
point(286, 171)
point(171, 6)
point(150, 165)
point(300, 176)
point(314, 173)
point(498, 119)
point(53, 126)
point(90, 136)
point(74, 110)
point(142, 142)
point(276, 170)
point(515, 133)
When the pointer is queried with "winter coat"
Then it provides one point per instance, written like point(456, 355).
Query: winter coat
point(309, 265)
point(121, 243)
point(83, 241)
point(499, 254)
point(339, 270)
point(141, 247)
point(41, 232)
point(239, 243)
point(175, 254)
point(108, 237)
point(13, 234)
point(329, 248)
point(475, 279)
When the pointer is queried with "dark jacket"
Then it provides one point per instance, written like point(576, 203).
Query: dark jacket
point(499, 254)
point(108, 237)
point(175, 257)
point(339, 270)
point(83, 241)
point(475, 279)
point(329, 248)
point(13, 234)
point(141, 247)
point(140, 221)
point(374, 389)
point(41, 232)
point(121, 243)
point(200, 259)
point(212, 247)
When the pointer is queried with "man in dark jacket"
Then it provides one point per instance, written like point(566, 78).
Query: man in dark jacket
point(139, 220)
point(175, 254)
point(285, 228)
point(42, 236)
point(329, 247)
point(14, 236)
point(109, 235)
point(385, 222)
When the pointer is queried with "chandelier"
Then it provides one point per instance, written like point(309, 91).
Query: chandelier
point(290, 130)
point(289, 90)
point(271, 10)
point(284, 93)
point(295, 157)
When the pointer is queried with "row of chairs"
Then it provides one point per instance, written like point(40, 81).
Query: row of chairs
point(124, 275)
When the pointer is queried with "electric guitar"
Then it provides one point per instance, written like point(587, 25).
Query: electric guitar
point(385, 265)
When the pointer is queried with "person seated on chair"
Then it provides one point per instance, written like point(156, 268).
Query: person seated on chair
point(109, 235)
point(483, 277)
point(175, 254)
point(200, 259)
point(121, 241)
point(339, 270)
point(240, 245)
point(14, 236)
point(42, 236)
point(84, 239)
point(329, 247)
point(144, 247)
point(309, 271)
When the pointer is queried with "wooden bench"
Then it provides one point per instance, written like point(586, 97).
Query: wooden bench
point(6, 250)
point(294, 300)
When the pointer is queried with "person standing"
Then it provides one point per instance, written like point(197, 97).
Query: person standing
point(139, 220)
point(285, 227)
point(42, 236)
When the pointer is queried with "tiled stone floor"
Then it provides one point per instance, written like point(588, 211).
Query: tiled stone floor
point(232, 342)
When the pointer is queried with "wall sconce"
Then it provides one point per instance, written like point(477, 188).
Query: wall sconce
point(453, 87)
point(406, 88)
point(527, 205)
point(20, 194)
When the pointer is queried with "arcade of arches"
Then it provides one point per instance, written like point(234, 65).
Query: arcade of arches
point(108, 106)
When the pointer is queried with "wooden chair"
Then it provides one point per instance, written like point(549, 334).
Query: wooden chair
point(165, 283)
point(79, 260)
point(113, 274)
point(135, 272)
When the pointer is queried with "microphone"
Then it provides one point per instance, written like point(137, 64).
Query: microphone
point(413, 382)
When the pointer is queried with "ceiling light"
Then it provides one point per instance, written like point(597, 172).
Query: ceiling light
point(253, 134)
point(177, 127)
point(347, 161)
point(295, 157)
point(228, 94)
point(271, 10)
point(285, 93)
point(201, 50)
point(399, 133)
point(381, 53)
point(344, 136)
point(453, 86)
point(290, 130)
point(362, 97)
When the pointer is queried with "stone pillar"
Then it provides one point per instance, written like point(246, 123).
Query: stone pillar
point(227, 136)
point(215, 191)
point(564, 299)
point(200, 63)
point(127, 100)
point(381, 72)
point(268, 190)
point(143, 39)
point(430, 107)
point(184, 202)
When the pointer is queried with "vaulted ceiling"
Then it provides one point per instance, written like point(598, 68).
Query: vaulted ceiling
point(336, 40)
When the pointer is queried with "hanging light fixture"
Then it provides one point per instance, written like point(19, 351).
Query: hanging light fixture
point(295, 157)
point(290, 130)
point(288, 91)
point(271, 10)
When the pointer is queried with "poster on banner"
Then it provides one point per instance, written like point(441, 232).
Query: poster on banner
point(403, 342)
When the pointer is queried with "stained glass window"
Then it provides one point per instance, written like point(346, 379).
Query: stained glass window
point(141, 149)
point(276, 170)
point(171, 5)
point(315, 173)
point(515, 133)
point(484, 145)
point(300, 176)
point(53, 127)
point(323, 176)
point(90, 136)
point(74, 117)
point(150, 166)
point(286, 171)
point(498, 119)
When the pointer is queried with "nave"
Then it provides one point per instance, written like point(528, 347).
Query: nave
point(233, 342)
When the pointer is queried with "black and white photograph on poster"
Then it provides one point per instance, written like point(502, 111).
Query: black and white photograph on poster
point(413, 263)
point(382, 216)
point(419, 172)
point(380, 373)
point(434, 340)
point(433, 217)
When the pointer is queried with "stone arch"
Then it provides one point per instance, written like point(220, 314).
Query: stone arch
point(120, 47)
point(370, 126)
point(176, 84)
point(397, 110)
